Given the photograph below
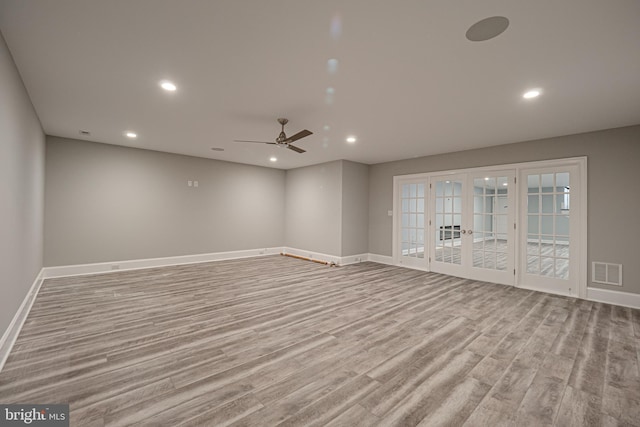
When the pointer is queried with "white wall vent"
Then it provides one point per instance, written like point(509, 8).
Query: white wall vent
point(606, 273)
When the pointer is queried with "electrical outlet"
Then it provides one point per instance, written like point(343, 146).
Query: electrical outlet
point(195, 183)
point(389, 213)
point(190, 183)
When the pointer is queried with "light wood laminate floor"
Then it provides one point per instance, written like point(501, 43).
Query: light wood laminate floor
point(279, 341)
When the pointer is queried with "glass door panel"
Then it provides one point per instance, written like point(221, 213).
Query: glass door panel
point(411, 239)
point(448, 224)
point(548, 261)
point(492, 251)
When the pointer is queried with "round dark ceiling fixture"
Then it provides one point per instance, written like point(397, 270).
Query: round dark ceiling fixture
point(487, 29)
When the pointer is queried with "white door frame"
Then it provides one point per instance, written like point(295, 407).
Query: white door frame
point(581, 247)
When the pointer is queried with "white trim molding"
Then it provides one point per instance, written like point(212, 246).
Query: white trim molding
point(381, 259)
point(13, 330)
point(624, 299)
point(111, 267)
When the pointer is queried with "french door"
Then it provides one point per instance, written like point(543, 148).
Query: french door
point(485, 225)
point(411, 224)
point(472, 225)
point(550, 214)
point(449, 253)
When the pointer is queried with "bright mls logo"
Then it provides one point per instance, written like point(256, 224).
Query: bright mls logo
point(34, 415)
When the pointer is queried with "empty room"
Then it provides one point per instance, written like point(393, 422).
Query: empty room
point(298, 213)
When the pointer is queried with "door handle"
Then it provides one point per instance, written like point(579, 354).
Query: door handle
point(470, 232)
point(463, 231)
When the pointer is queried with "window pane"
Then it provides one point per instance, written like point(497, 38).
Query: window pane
point(457, 204)
point(547, 267)
point(546, 226)
point(562, 269)
point(448, 204)
point(547, 204)
point(547, 183)
point(532, 224)
point(562, 225)
point(562, 179)
point(533, 183)
point(457, 188)
point(533, 204)
point(501, 262)
point(478, 204)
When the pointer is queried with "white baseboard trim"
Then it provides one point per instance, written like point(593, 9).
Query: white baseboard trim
point(11, 334)
point(112, 267)
point(381, 259)
point(625, 299)
point(353, 259)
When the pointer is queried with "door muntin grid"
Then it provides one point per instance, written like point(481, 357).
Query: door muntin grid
point(448, 224)
point(491, 246)
point(412, 217)
point(548, 224)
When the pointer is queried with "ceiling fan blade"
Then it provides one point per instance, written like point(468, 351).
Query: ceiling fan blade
point(296, 149)
point(255, 142)
point(298, 136)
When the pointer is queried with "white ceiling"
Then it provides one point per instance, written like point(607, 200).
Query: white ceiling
point(408, 82)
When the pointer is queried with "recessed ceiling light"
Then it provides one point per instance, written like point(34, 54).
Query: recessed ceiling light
point(487, 29)
point(217, 149)
point(168, 86)
point(486, 178)
point(533, 93)
point(131, 135)
point(84, 132)
point(351, 139)
point(273, 159)
point(505, 183)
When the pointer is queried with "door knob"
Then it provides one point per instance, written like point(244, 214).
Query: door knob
point(463, 231)
point(470, 232)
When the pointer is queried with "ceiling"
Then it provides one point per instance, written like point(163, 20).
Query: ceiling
point(407, 81)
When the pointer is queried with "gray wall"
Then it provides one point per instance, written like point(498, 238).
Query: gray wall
point(328, 208)
point(110, 203)
point(314, 208)
point(21, 190)
point(613, 195)
point(355, 208)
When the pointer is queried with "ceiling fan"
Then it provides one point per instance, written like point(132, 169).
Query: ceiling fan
point(282, 140)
